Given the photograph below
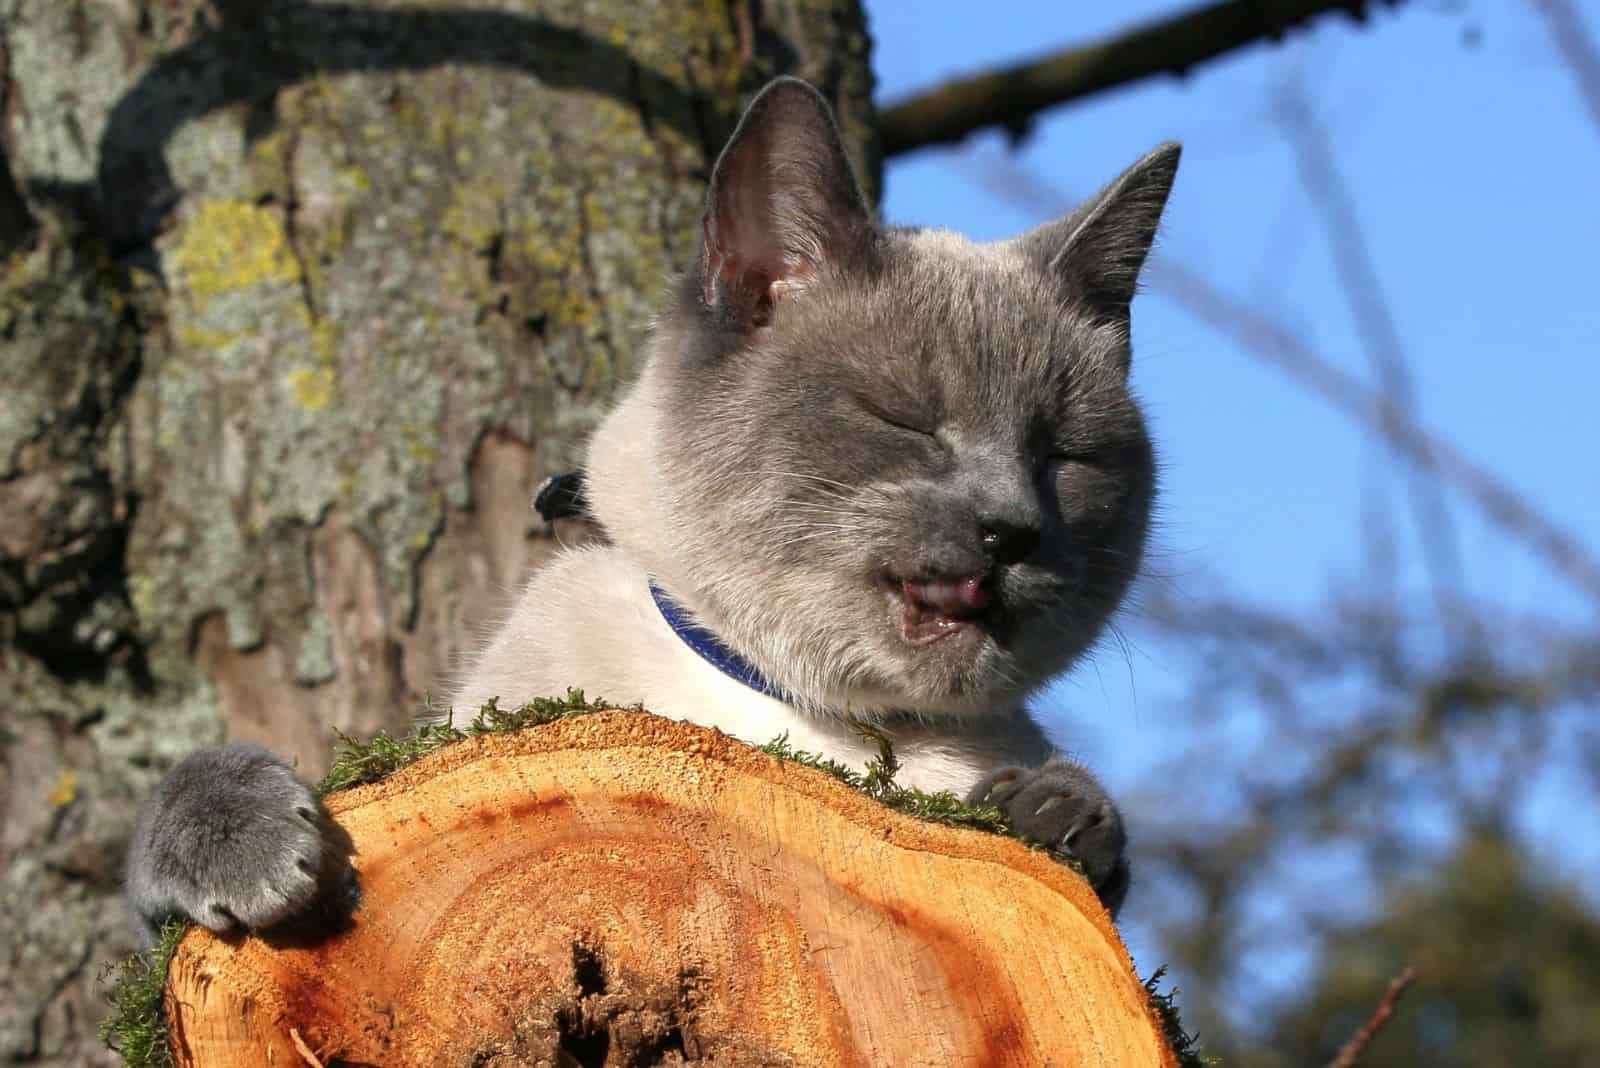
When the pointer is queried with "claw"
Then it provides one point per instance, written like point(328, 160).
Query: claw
point(1050, 804)
point(1088, 821)
point(995, 794)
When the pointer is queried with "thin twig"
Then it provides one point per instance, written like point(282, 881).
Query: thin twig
point(304, 1050)
point(1353, 1049)
point(1013, 96)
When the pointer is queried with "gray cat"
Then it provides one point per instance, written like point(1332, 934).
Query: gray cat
point(867, 474)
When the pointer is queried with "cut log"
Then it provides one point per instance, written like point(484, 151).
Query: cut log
point(618, 889)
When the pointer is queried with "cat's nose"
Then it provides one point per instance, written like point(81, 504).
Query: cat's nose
point(1006, 541)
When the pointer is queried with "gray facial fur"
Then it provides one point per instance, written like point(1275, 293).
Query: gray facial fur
point(854, 405)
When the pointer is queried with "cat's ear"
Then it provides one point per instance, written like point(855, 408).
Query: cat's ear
point(784, 207)
point(1099, 249)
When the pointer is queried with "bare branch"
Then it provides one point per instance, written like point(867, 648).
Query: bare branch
point(1353, 1049)
point(1013, 96)
point(1577, 48)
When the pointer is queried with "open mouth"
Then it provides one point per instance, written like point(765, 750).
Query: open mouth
point(941, 607)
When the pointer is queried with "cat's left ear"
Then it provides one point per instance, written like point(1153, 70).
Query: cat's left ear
point(784, 207)
point(1099, 249)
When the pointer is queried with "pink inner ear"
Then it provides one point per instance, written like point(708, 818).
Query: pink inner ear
point(741, 267)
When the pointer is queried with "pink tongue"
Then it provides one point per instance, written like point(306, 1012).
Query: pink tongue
point(950, 597)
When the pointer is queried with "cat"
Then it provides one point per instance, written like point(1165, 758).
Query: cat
point(866, 475)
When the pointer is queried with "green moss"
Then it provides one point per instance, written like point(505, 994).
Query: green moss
point(136, 1027)
point(877, 782)
point(1184, 1046)
point(356, 763)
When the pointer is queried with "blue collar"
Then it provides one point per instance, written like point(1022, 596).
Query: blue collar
point(711, 648)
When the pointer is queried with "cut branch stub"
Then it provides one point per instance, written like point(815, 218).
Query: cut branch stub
point(618, 889)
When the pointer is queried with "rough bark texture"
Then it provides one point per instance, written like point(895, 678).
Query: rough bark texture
point(524, 897)
point(297, 302)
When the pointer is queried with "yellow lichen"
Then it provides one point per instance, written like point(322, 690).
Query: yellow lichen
point(421, 452)
point(594, 213)
point(267, 153)
point(198, 337)
point(228, 245)
point(312, 387)
point(473, 214)
point(143, 593)
point(65, 791)
point(325, 341)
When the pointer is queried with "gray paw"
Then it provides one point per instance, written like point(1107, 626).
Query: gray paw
point(231, 838)
point(1063, 806)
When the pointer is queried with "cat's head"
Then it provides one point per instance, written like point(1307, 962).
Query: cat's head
point(895, 468)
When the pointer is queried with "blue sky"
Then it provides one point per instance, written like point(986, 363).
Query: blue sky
point(1476, 174)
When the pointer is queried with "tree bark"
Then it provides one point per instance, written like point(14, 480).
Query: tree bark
point(621, 888)
point(298, 301)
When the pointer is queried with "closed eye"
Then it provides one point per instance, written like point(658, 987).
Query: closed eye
point(1057, 462)
point(899, 423)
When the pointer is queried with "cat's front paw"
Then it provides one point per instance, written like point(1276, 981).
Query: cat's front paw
point(231, 839)
point(1063, 807)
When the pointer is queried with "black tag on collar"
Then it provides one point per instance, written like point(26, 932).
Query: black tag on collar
point(562, 497)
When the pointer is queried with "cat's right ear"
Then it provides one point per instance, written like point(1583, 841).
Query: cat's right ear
point(784, 209)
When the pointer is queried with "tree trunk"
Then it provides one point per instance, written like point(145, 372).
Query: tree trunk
point(623, 888)
point(298, 300)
